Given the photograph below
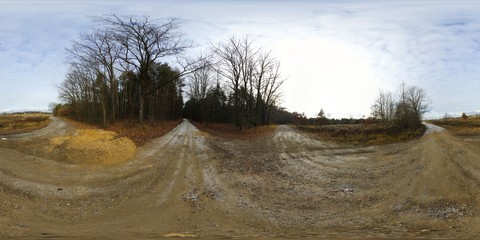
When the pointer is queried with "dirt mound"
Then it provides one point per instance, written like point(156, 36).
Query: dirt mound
point(92, 146)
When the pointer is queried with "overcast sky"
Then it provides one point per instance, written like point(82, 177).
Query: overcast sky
point(336, 55)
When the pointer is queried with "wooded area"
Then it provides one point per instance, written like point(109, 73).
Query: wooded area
point(403, 111)
point(120, 70)
point(252, 77)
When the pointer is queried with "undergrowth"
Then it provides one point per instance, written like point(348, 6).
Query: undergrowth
point(230, 131)
point(362, 134)
point(139, 133)
point(20, 123)
point(459, 126)
point(142, 133)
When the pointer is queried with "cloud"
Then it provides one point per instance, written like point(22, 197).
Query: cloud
point(434, 46)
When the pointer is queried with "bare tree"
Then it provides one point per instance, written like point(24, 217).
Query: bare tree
point(271, 90)
point(230, 67)
point(254, 78)
point(384, 107)
point(199, 84)
point(82, 89)
point(417, 98)
point(131, 48)
point(101, 48)
point(144, 41)
point(410, 107)
point(406, 111)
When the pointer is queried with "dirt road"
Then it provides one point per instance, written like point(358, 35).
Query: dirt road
point(190, 184)
point(432, 128)
point(56, 127)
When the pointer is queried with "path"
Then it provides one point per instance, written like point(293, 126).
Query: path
point(188, 184)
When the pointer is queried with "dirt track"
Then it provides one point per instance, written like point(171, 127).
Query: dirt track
point(284, 185)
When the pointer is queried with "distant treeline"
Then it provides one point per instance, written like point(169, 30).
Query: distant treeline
point(251, 80)
point(25, 112)
point(391, 112)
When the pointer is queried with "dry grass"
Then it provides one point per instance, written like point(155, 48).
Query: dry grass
point(79, 125)
point(142, 133)
point(20, 123)
point(459, 126)
point(230, 131)
point(138, 133)
point(361, 134)
point(91, 147)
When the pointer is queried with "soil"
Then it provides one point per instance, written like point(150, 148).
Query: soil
point(190, 184)
point(62, 142)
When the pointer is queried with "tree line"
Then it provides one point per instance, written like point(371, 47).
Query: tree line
point(399, 111)
point(403, 110)
point(136, 68)
point(251, 76)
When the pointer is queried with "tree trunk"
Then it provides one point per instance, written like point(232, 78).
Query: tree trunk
point(141, 106)
point(104, 112)
point(151, 108)
point(114, 95)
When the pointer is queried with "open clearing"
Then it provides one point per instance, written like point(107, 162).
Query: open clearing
point(22, 122)
point(190, 184)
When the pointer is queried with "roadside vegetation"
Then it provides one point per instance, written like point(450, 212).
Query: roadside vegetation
point(362, 134)
point(139, 133)
point(22, 122)
point(395, 118)
point(462, 126)
point(142, 133)
point(229, 131)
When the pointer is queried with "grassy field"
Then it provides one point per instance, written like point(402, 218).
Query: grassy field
point(460, 126)
point(20, 123)
point(360, 134)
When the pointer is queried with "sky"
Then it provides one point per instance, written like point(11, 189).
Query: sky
point(335, 55)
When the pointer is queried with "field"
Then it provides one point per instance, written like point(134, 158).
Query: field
point(22, 122)
point(459, 126)
point(360, 134)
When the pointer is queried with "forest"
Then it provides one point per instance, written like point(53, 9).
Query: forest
point(137, 68)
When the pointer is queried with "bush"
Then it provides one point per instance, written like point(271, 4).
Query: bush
point(62, 110)
point(36, 119)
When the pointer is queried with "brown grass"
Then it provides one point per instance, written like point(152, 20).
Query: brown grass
point(20, 123)
point(91, 147)
point(361, 134)
point(230, 131)
point(138, 133)
point(79, 125)
point(142, 133)
point(459, 126)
